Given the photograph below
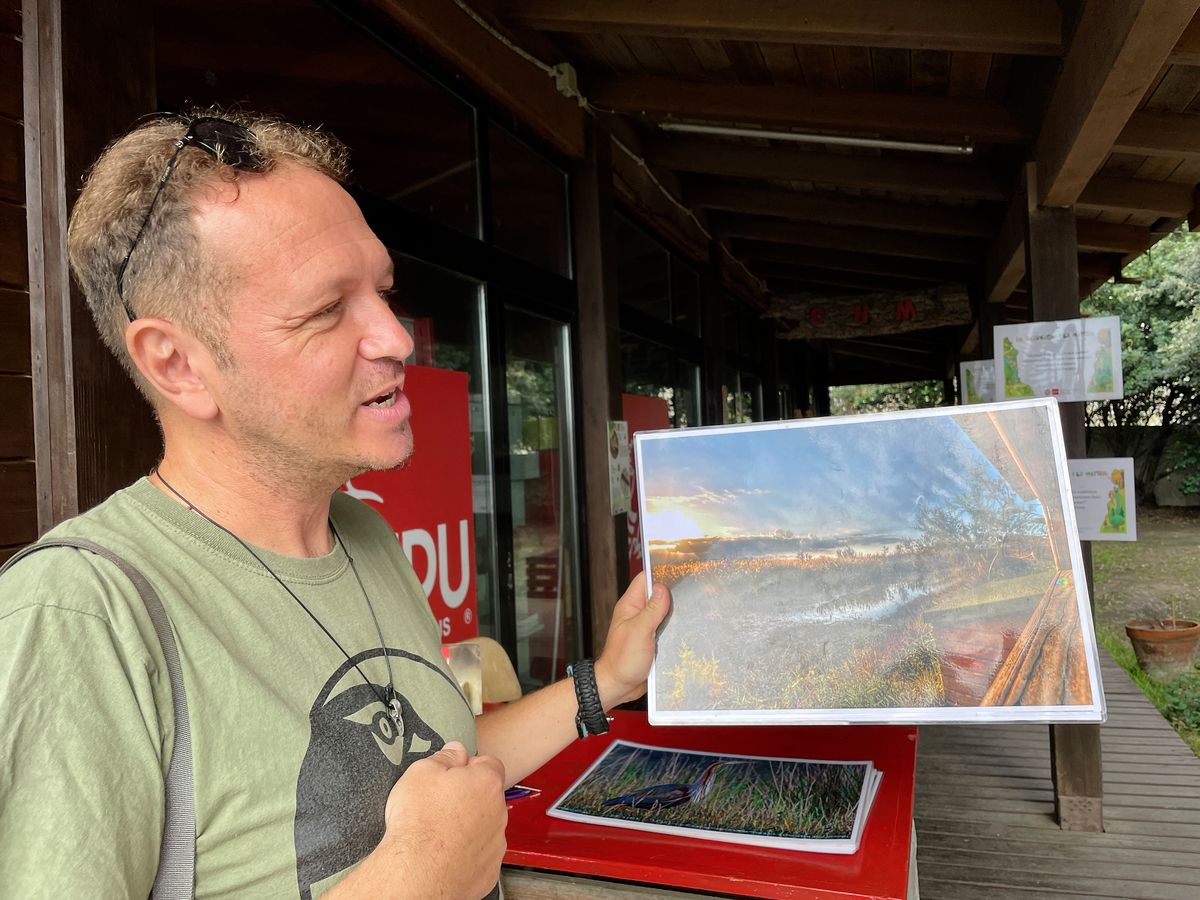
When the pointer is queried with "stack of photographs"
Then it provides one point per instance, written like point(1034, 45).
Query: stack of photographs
point(910, 567)
point(793, 804)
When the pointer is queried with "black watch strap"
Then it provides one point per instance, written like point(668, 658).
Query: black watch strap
point(590, 719)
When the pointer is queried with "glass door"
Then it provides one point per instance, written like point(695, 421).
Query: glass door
point(544, 573)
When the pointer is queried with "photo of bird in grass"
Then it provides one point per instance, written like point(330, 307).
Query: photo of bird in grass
point(744, 799)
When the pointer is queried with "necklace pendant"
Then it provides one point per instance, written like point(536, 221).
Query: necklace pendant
point(396, 711)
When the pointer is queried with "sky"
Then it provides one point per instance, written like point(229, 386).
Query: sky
point(857, 479)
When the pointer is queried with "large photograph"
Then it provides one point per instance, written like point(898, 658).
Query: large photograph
point(905, 567)
point(796, 804)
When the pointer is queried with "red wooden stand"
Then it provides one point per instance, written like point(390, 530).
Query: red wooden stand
point(878, 870)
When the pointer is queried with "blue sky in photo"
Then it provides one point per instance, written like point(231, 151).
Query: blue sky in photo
point(855, 480)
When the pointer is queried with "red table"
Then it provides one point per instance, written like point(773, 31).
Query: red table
point(878, 870)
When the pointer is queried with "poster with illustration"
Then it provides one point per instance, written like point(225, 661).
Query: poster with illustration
point(1074, 359)
point(977, 381)
point(1103, 493)
point(620, 474)
point(911, 567)
point(819, 806)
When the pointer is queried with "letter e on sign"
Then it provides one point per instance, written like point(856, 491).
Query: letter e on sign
point(816, 315)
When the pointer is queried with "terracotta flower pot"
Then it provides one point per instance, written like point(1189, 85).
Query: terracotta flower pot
point(1165, 648)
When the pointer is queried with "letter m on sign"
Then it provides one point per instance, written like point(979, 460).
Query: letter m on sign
point(906, 311)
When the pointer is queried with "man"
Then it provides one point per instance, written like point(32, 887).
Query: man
point(239, 285)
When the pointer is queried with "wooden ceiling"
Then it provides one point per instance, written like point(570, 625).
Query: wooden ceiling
point(1103, 95)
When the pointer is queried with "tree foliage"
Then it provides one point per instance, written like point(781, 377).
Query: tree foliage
point(1160, 341)
point(868, 398)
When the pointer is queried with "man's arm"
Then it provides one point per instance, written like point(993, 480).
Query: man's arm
point(528, 732)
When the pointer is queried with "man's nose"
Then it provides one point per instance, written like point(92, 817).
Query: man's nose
point(385, 337)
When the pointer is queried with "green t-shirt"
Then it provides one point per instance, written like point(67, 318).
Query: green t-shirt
point(293, 753)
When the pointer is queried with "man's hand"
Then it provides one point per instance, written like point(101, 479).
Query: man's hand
point(622, 668)
point(444, 832)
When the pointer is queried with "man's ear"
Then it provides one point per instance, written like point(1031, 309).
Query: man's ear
point(177, 365)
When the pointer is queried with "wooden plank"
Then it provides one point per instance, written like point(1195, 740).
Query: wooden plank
point(854, 261)
point(1153, 133)
point(912, 176)
point(969, 73)
point(933, 118)
point(14, 258)
point(931, 72)
point(10, 78)
point(747, 61)
point(1187, 49)
point(1118, 48)
point(1164, 198)
point(890, 243)
point(16, 417)
point(515, 83)
point(14, 332)
point(18, 499)
point(783, 64)
point(820, 66)
point(1106, 237)
point(1004, 260)
point(12, 161)
point(840, 209)
point(1011, 26)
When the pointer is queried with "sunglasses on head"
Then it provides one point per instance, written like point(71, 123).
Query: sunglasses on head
point(226, 142)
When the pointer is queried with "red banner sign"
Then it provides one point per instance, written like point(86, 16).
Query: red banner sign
point(428, 503)
point(642, 414)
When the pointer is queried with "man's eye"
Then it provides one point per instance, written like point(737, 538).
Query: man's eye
point(386, 294)
point(330, 310)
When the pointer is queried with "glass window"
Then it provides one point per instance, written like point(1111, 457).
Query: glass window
point(545, 556)
point(750, 398)
point(410, 140)
point(643, 272)
point(685, 297)
point(529, 204)
point(652, 370)
point(444, 314)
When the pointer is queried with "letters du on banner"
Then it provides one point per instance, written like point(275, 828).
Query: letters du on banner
point(428, 503)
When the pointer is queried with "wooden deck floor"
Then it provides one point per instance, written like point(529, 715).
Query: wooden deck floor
point(985, 804)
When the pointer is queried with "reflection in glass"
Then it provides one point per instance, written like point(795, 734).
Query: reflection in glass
point(643, 272)
point(545, 560)
point(444, 313)
point(652, 370)
point(529, 203)
point(411, 141)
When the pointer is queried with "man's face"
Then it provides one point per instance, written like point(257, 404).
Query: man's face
point(315, 388)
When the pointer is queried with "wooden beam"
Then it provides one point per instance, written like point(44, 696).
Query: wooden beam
point(638, 187)
point(1010, 26)
point(782, 278)
point(888, 243)
point(854, 261)
point(840, 209)
point(1153, 133)
point(472, 53)
point(1187, 48)
point(593, 218)
point(874, 114)
point(1166, 198)
point(1107, 237)
point(954, 179)
point(1004, 262)
point(1117, 50)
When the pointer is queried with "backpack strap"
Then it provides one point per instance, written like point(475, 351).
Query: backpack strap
point(175, 878)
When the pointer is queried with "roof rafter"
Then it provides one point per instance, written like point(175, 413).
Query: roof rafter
point(859, 112)
point(962, 180)
point(1011, 26)
point(887, 243)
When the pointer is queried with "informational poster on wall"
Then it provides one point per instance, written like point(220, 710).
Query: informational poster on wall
point(1102, 490)
point(1073, 359)
point(977, 381)
point(620, 467)
point(641, 414)
point(429, 502)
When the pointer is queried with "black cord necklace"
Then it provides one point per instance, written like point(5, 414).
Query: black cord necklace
point(390, 700)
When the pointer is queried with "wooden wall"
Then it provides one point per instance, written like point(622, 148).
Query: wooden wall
point(18, 483)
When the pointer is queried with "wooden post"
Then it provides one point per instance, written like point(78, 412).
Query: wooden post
point(818, 374)
point(599, 372)
point(1051, 259)
point(770, 382)
point(712, 374)
point(94, 432)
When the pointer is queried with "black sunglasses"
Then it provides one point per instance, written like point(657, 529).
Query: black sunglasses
point(227, 143)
